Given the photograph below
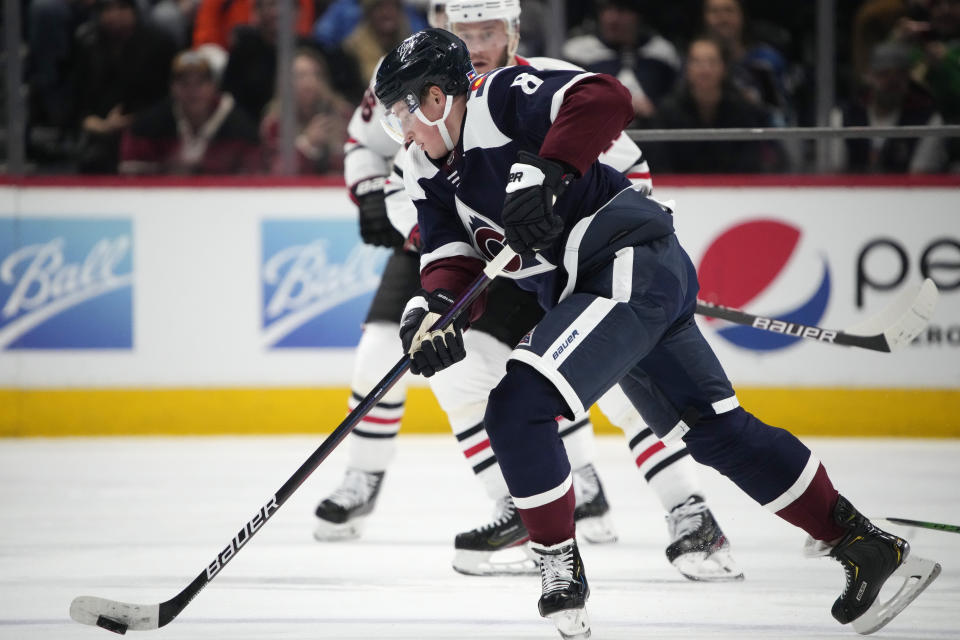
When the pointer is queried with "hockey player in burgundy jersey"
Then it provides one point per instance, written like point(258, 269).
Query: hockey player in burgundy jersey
point(619, 293)
point(697, 545)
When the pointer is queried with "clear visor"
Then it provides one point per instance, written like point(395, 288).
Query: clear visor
point(398, 119)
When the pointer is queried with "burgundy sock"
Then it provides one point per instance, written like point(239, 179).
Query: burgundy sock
point(813, 510)
point(551, 523)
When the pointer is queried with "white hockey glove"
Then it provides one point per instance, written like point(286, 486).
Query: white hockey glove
point(375, 226)
point(431, 351)
point(532, 186)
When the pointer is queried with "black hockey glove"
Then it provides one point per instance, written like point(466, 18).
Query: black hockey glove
point(532, 186)
point(375, 227)
point(431, 351)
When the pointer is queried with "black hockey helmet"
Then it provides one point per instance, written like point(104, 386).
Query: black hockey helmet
point(428, 57)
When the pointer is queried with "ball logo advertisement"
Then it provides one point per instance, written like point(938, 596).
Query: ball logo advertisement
point(66, 283)
point(753, 261)
point(318, 280)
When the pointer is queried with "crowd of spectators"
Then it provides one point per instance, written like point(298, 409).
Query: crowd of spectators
point(190, 86)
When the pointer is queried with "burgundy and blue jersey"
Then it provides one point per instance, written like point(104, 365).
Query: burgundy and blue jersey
point(561, 115)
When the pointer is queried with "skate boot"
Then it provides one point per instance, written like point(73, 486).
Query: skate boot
point(699, 549)
point(497, 548)
point(342, 514)
point(565, 588)
point(870, 556)
point(592, 510)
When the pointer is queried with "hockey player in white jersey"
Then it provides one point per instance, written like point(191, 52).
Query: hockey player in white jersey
point(697, 546)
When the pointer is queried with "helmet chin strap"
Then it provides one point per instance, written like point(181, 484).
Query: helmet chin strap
point(441, 123)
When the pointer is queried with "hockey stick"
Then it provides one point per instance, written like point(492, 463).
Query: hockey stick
point(906, 522)
point(119, 616)
point(889, 330)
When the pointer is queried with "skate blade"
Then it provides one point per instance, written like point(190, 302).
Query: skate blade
point(597, 529)
point(573, 624)
point(515, 561)
point(332, 532)
point(718, 566)
point(917, 574)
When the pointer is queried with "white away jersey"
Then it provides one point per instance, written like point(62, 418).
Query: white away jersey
point(368, 150)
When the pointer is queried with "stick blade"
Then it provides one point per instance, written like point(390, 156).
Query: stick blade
point(904, 319)
point(113, 615)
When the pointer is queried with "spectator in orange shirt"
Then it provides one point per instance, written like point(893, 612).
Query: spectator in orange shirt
point(251, 72)
point(216, 20)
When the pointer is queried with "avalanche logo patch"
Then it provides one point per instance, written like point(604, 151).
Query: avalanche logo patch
point(488, 240)
point(66, 283)
point(765, 267)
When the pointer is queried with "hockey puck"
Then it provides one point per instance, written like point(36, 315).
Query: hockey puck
point(111, 625)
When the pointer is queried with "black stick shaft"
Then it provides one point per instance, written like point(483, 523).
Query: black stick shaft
point(171, 608)
point(764, 323)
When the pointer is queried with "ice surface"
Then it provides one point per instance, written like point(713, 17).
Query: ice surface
point(135, 519)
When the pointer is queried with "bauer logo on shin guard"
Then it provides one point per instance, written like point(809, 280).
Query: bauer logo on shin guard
point(242, 536)
point(797, 330)
point(563, 346)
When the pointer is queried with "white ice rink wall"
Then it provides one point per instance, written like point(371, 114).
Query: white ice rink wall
point(234, 306)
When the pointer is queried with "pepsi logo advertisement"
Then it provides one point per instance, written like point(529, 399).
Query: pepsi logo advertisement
point(814, 270)
point(748, 261)
point(66, 283)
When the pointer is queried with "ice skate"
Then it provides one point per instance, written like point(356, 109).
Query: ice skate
point(565, 588)
point(592, 513)
point(699, 549)
point(871, 556)
point(341, 516)
point(496, 548)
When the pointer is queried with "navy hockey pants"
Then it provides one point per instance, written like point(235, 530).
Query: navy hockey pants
point(632, 322)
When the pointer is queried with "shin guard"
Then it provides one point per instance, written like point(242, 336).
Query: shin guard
point(770, 465)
